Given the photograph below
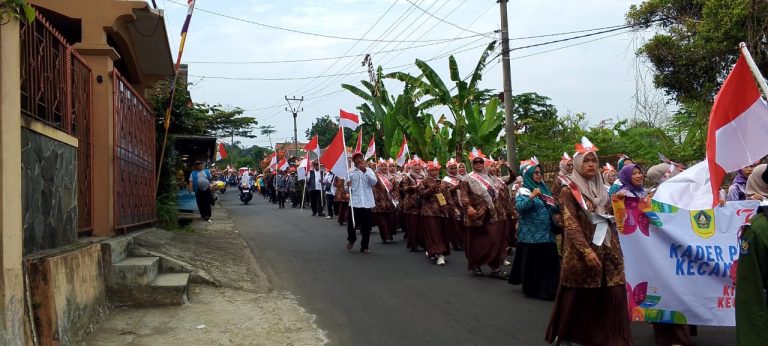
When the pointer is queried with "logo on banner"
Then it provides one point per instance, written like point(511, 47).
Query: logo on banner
point(703, 223)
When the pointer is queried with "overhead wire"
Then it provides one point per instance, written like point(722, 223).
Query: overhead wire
point(296, 31)
point(443, 20)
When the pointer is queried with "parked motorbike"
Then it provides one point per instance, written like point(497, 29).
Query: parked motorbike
point(246, 192)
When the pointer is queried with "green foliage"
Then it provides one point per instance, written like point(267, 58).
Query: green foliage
point(19, 9)
point(167, 211)
point(245, 162)
point(325, 128)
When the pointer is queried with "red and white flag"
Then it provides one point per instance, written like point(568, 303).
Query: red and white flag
point(359, 146)
point(283, 165)
point(403, 153)
point(273, 162)
point(313, 146)
point(737, 126)
point(349, 120)
point(221, 152)
point(371, 148)
point(303, 169)
point(335, 155)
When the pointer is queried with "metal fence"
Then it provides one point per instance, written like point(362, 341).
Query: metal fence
point(134, 179)
point(56, 88)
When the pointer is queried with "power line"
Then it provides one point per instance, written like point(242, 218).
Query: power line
point(444, 21)
point(304, 32)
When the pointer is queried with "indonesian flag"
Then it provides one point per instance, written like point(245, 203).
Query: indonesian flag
point(283, 165)
point(335, 156)
point(359, 146)
point(402, 153)
point(371, 148)
point(301, 172)
point(273, 162)
point(738, 124)
point(349, 120)
point(313, 146)
point(221, 152)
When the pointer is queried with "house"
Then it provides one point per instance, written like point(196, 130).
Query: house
point(78, 158)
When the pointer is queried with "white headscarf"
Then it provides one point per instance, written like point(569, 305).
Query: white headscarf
point(592, 189)
point(755, 183)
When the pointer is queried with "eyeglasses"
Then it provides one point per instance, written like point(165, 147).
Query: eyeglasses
point(537, 172)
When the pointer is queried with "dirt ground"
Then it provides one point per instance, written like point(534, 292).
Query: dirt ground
point(242, 309)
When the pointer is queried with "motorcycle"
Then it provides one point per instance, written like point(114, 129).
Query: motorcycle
point(246, 192)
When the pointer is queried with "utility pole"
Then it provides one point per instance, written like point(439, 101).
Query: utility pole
point(509, 121)
point(295, 110)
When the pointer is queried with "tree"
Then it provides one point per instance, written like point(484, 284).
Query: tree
point(325, 128)
point(429, 84)
point(268, 130)
point(224, 123)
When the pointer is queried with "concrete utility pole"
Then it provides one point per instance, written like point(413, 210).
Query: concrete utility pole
point(509, 120)
point(295, 110)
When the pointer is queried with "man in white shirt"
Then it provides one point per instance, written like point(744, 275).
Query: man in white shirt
point(315, 187)
point(330, 191)
point(360, 184)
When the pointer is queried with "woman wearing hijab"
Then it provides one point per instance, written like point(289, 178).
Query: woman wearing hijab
point(537, 264)
point(451, 184)
point(591, 303)
point(384, 210)
point(411, 204)
point(433, 203)
point(632, 177)
point(485, 241)
point(752, 271)
point(462, 170)
point(623, 160)
point(738, 189)
point(563, 176)
point(609, 176)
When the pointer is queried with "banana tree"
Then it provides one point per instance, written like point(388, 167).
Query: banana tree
point(429, 84)
point(484, 126)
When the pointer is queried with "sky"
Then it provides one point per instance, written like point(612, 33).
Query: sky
point(597, 77)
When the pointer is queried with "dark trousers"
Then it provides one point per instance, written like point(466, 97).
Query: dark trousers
point(316, 202)
point(364, 220)
point(203, 199)
point(329, 203)
point(281, 196)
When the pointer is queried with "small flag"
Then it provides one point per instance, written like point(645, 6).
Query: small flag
point(335, 155)
point(273, 162)
point(371, 148)
point(737, 126)
point(301, 172)
point(283, 165)
point(313, 146)
point(348, 120)
point(359, 146)
point(401, 155)
point(221, 152)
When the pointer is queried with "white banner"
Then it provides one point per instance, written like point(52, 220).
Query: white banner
point(680, 265)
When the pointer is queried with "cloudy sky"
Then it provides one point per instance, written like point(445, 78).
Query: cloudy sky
point(597, 77)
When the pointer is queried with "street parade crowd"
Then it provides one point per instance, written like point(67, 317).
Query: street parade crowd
point(491, 210)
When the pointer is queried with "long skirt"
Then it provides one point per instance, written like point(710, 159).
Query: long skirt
point(415, 237)
point(386, 222)
point(485, 245)
point(512, 232)
point(435, 235)
point(455, 233)
point(537, 267)
point(590, 316)
point(342, 207)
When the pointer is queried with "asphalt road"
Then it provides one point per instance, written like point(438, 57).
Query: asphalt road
point(392, 296)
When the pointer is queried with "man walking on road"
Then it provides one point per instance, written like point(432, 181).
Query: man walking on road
point(360, 185)
point(315, 187)
point(200, 183)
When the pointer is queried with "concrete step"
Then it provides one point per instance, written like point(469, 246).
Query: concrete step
point(134, 271)
point(166, 290)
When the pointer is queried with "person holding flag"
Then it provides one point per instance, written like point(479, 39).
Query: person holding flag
point(315, 187)
point(361, 202)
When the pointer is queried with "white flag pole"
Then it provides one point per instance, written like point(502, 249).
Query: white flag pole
point(344, 140)
point(754, 69)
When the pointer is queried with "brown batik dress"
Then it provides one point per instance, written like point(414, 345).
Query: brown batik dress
point(411, 209)
point(591, 304)
point(433, 218)
point(384, 214)
point(454, 222)
point(341, 199)
point(484, 240)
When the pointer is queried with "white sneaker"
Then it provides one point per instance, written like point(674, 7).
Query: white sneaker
point(440, 260)
point(506, 262)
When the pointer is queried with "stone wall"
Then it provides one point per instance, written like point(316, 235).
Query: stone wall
point(49, 192)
